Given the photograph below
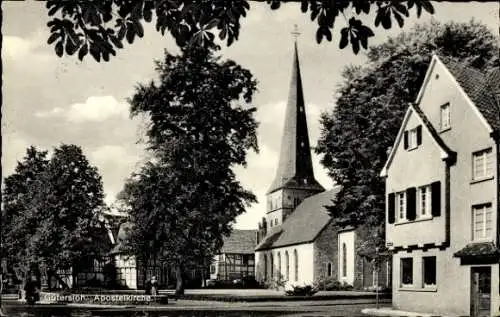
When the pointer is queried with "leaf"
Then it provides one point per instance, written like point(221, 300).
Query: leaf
point(328, 34)
point(344, 39)
point(212, 23)
point(53, 37)
point(319, 35)
point(427, 5)
point(95, 52)
point(118, 43)
point(386, 21)
point(304, 5)
point(354, 43)
point(70, 46)
point(130, 33)
point(400, 8)
point(83, 51)
point(275, 5)
point(59, 48)
point(399, 19)
point(139, 30)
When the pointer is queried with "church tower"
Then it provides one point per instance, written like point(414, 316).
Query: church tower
point(294, 180)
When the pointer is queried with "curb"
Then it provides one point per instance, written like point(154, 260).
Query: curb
point(280, 298)
point(385, 312)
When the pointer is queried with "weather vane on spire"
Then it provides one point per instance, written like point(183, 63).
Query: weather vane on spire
point(295, 32)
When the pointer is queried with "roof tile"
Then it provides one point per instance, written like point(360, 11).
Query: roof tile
point(304, 224)
point(480, 88)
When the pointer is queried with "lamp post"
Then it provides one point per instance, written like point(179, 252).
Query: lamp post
point(377, 265)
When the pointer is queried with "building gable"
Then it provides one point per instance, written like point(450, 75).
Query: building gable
point(415, 115)
point(471, 84)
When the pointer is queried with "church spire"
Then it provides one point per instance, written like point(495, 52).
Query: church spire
point(295, 166)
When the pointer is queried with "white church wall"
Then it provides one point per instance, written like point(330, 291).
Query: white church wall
point(299, 272)
point(346, 258)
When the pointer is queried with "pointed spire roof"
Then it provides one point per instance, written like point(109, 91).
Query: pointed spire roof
point(295, 168)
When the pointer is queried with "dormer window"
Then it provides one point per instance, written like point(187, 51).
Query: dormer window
point(413, 138)
point(445, 122)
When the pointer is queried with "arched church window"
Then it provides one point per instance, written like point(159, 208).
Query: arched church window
point(296, 264)
point(344, 260)
point(265, 266)
point(278, 267)
point(329, 269)
point(272, 265)
point(287, 266)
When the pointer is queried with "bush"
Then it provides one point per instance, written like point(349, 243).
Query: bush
point(301, 290)
point(331, 284)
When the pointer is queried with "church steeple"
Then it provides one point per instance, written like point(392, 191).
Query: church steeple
point(295, 168)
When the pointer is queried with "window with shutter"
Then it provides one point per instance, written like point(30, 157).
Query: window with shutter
point(401, 206)
point(411, 203)
point(406, 140)
point(436, 199)
point(419, 135)
point(424, 201)
point(391, 217)
point(413, 138)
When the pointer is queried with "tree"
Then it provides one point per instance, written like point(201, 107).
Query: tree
point(201, 127)
point(99, 27)
point(51, 208)
point(16, 229)
point(66, 200)
point(370, 105)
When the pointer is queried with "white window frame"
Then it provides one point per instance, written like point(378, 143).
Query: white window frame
point(445, 117)
point(402, 284)
point(412, 139)
point(424, 202)
point(486, 156)
point(423, 272)
point(480, 214)
point(401, 207)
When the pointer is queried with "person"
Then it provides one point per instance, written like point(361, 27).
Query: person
point(154, 286)
point(31, 289)
point(147, 287)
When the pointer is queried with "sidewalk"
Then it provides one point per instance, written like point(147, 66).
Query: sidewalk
point(387, 311)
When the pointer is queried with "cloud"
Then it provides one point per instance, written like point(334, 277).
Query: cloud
point(115, 163)
point(13, 150)
point(94, 109)
point(15, 47)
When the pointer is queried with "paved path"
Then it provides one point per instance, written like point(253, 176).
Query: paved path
point(183, 308)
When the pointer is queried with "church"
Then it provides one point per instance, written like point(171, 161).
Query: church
point(297, 241)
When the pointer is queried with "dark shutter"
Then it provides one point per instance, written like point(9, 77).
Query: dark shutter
point(436, 199)
point(406, 139)
point(411, 203)
point(392, 208)
point(419, 135)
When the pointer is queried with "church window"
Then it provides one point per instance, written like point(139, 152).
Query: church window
point(272, 265)
point(329, 269)
point(344, 260)
point(278, 267)
point(287, 266)
point(265, 266)
point(296, 264)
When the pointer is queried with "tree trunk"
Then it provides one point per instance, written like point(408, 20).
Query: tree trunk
point(60, 280)
point(179, 288)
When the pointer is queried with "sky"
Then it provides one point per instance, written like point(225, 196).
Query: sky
point(48, 100)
